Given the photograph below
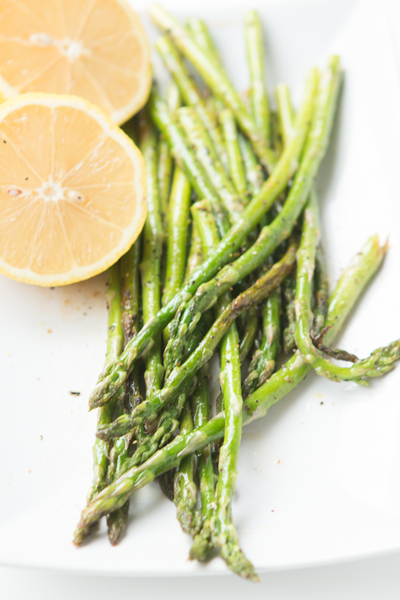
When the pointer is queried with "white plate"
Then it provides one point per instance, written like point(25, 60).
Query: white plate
point(319, 476)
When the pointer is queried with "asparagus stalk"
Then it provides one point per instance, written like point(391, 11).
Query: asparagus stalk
point(220, 525)
point(223, 530)
point(130, 311)
point(178, 225)
point(289, 294)
point(185, 498)
point(200, 403)
point(249, 333)
point(216, 79)
point(255, 55)
point(286, 121)
point(183, 156)
point(164, 165)
point(180, 376)
point(253, 170)
point(201, 410)
point(119, 453)
point(185, 491)
point(115, 372)
point(202, 37)
point(272, 235)
point(195, 257)
point(153, 238)
point(321, 293)
point(263, 362)
point(350, 286)
point(380, 360)
point(230, 133)
point(117, 520)
point(190, 93)
point(204, 152)
point(285, 113)
point(254, 179)
point(114, 347)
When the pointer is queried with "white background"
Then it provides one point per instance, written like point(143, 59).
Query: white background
point(367, 579)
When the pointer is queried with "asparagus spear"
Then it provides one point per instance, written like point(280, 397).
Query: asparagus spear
point(185, 491)
point(254, 180)
point(114, 347)
point(130, 311)
point(220, 525)
point(208, 158)
point(200, 403)
point(195, 257)
point(164, 164)
point(351, 284)
point(202, 37)
point(216, 79)
point(255, 54)
point(272, 235)
point(321, 293)
point(253, 170)
point(190, 93)
point(119, 453)
point(194, 260)
point(178, 225)
point(286, 122)
point(249, 333)
point(201, 409)
point(183, 156)
point(285, 113)
point(289, 294)
point(115, 372)
point(180, 376)
point(262, 364)
point(378, 363)
point(153, 238)
point(230, 133)
point(117, 520)
point(223, 530)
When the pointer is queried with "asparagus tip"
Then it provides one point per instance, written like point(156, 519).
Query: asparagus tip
point(201, 544)
point(235, 558)
point(117, 522)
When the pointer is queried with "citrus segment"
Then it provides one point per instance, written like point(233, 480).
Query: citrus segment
point(95, 49)
point(72, 192)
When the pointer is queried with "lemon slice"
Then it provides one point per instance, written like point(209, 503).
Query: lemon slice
point(72, 190)
point(96, 49)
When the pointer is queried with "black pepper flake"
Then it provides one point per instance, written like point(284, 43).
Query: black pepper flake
point(74, 393)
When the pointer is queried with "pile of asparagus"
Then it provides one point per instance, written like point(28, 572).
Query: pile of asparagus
point(241, 271)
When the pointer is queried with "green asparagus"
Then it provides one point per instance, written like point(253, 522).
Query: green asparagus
point(190, 93)
point(272, 235)
point(180, 376)
point(185, 491)
point(153, 237)
point(255, 55)
point(216, 79)
point(164, 165)
point(380, 360)
point(115, 372)
point(351, 284)
point(230, 133)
